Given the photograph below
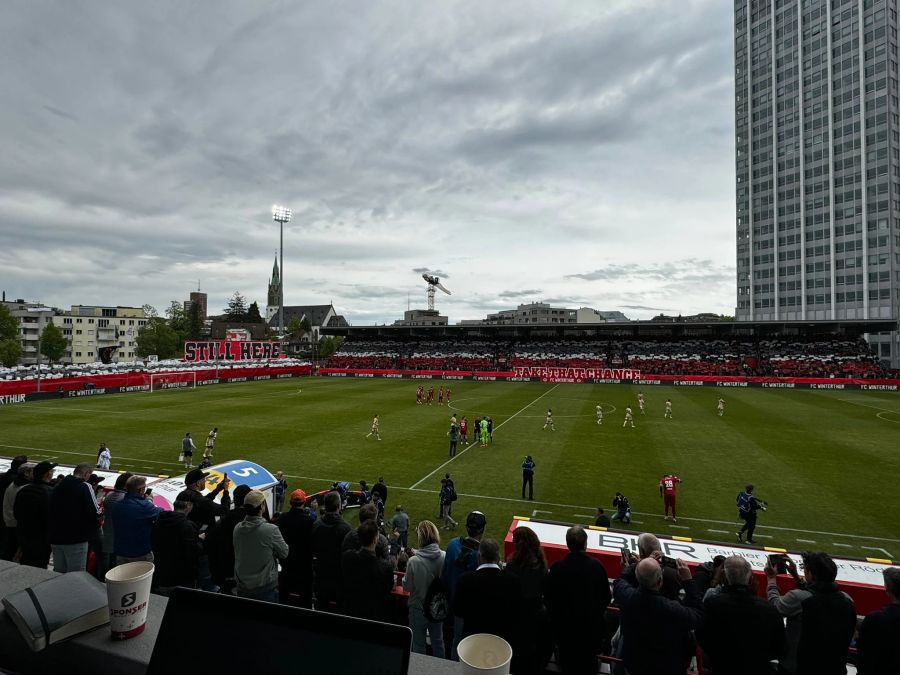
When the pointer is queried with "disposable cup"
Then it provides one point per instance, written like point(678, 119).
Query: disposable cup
point(128, 593)
point(482, 654)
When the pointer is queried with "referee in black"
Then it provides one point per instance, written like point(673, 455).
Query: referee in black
point(528, 477)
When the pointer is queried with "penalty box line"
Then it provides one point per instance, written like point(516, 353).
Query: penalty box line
point(460, 454)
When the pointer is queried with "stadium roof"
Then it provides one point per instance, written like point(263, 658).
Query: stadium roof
point(633, 330)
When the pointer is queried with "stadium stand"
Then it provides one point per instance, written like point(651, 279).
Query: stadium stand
point(57, 372)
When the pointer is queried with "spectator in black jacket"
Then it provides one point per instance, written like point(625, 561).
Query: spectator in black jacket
point(327, 536)
point(32, 512)
point(742, 634)
point(877, 643)
point(205, 510)
point(368, 579)
point(219, 543)
point(5, 481)
point(488, 599)
point(296, 578)
point(655, 631)
point(176, 549)
point(9, 518)
point(528, 564)
point(74, 517)
point(821, 619)
point(351, 541)
point(577, 596)
point(381, 490)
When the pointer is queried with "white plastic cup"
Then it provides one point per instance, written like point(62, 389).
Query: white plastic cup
point(128, 594)
point(482, 654)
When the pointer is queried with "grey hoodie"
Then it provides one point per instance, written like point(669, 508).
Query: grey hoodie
point(256, 546)
point(421, 569)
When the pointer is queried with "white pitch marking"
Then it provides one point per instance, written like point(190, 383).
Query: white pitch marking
point(719, 531)
point(537, 511)
point(89, 454)
point(458, 455)
point(842, 545)
point(680, 527)
point(763, 536)
point(875, 548)
point(582, 515)
point(807, 541)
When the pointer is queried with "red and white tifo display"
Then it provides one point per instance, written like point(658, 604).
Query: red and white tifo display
point(860, 578)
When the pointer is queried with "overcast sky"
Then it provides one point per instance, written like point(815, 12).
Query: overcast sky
point(578, 153)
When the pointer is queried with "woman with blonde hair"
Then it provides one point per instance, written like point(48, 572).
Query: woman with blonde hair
point(424, 565)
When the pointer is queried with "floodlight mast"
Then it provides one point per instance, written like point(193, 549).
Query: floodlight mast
point(433, 283)
point(281, 215)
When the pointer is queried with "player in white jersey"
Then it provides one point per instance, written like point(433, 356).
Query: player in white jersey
point(641, 402)
point(374, 431)
point(720, 409)
point(599, 414)
point(629, 418)
point(549, 421)
point(211, 442)
point(668, 414)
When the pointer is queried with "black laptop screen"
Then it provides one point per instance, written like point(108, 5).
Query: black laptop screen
point(257, 637)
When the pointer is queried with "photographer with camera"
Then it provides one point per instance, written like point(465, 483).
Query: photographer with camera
point(748, 504)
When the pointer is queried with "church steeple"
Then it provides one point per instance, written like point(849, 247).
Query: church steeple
point(275, 274)
point(274, 295)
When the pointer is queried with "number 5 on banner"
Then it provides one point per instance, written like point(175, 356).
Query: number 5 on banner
point(243, 473)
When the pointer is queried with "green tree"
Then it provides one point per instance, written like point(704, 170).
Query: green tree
point(157, 337)
point(194, 323)
point(329, 345)
point(53, 343)
point(237, 308)
point(10, 344)
point(150, 311)
point(253, 315)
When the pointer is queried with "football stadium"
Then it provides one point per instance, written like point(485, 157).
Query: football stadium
point(646, 421)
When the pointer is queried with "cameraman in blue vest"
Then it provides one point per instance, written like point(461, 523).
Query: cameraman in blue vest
point(748, 504)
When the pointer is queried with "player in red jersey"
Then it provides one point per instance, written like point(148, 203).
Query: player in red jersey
point(464, 429)
point(447, 395)
point(430, 395)
point(441, 396)
point(418, 395)
point(667, 492)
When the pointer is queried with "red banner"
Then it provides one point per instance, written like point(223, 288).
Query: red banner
point(556, 374)
point(231, 350)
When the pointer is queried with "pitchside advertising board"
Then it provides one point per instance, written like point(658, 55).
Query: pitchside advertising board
point(862, 578)
point(231, 350)
point(166, 488)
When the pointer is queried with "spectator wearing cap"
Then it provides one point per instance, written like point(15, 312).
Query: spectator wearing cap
point(258, 545)
point(133, 519)
point(351, 542)
point(205, 510)
point(877, 643)
point(296, 578)
point(488, 599)
point(6, 479)
point(327, 537)
point(821, 619)
point(400, 525)
point(656, 631)
point(11, 543)
point(462, 557)
point(577, 595)
point(741, 634)
point(281, 486)
point(32, 512)
point(107, 558)
point(368, 578)
point(219, 543)
point(176, 549)
point(74, 516)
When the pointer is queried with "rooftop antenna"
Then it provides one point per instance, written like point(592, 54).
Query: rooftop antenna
point(433, 283)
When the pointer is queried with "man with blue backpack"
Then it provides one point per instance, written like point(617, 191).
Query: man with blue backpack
point(462, 558)
point(748, 504)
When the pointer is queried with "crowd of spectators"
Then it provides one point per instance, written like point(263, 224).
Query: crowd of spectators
point(59, 371)
point(777, 358)
point(657, 617)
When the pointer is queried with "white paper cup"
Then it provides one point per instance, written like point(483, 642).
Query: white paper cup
point(128, 593)
point(484, 653)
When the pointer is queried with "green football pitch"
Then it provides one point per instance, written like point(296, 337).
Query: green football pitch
point(827, 461)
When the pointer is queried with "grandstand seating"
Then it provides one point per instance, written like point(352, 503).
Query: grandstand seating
point(777, 358)
point(60, 371)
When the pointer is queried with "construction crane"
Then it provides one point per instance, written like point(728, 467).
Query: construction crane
point(433, 282)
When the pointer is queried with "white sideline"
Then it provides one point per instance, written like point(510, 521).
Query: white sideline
point(460, 454)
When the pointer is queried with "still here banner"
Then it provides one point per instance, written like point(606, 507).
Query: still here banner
point(231, 350)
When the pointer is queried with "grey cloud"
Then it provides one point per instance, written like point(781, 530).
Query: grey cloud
point(428, 270)
point(528, 292)
point(60, 113)
point(645, 308)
